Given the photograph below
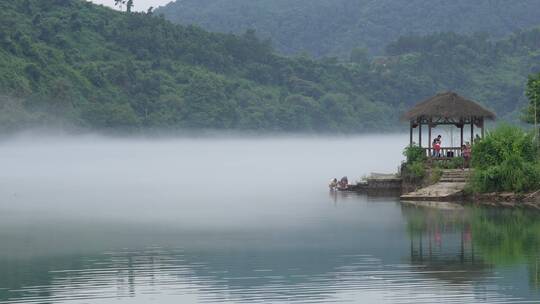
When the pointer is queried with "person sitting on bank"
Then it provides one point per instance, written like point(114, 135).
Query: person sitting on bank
point(333, 183)
point(343, 183)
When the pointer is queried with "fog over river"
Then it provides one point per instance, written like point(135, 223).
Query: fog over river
point(194, 182)
point(93, 219)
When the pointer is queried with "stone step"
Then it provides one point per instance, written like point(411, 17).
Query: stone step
point(453, 180)
point(455, 175)
point(437, 192)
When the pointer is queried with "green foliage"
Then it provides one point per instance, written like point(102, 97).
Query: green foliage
point(414, 171)
point(360, 56)
point(533, 94)
point(414, 168)
point(414, 154)
point(112, 116)
point(108, 69)
point(506, 160)
point(490, 68)
point(95, 67)
point(436, 174)
point(503, 143)
point(335, 27)
point(453, 163)
point(492, 73)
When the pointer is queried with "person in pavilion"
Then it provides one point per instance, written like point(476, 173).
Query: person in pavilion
point(437, 146)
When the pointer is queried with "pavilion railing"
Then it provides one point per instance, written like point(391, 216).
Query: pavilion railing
point(446, 152)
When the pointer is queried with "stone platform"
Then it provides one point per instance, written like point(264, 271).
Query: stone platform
point(449, 188)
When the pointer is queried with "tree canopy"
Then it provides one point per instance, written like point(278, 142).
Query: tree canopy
point(335, 27)
point(532, 113)
point(73, 62)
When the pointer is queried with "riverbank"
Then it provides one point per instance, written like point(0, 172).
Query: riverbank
point(449, 186)
point(507, 200)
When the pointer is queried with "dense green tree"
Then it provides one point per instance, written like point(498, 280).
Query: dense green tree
point(90, 66)
point(360, 56)
point(326, 28)
point(532, 113)
point(506, 160)
point(111, 116)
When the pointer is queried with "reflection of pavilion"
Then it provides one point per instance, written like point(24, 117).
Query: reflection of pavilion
point(441, 244)
point(534, 273)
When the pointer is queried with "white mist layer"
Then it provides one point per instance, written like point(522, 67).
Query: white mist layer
point(205, 182)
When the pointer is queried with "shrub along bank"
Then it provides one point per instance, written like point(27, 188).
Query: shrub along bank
point(506, 160)
point(415, 167)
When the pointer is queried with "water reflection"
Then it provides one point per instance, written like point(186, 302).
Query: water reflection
point(454, 255)
point(441, 240)
point(509, 238)
point(130, 221)
point(471, 244)
point(147, 274)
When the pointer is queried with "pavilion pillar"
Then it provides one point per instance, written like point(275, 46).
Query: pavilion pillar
point(429, 137)
point(461, 131)
point(472, 131)
point(411, 135)
point(420, 134)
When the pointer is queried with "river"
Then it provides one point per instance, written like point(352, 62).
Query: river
point(91, 219)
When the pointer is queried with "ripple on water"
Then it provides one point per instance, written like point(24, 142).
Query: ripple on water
point(160, 274)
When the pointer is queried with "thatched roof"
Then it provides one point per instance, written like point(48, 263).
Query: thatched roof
point(448, 105)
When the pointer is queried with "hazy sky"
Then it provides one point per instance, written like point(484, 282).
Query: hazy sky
point(140, 5)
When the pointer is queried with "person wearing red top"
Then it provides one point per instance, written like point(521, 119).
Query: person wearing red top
point(466, 152)
point(437, 146)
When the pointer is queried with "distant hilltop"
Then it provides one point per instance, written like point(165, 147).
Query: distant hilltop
point(335, 27)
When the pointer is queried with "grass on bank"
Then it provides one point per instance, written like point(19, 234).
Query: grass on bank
point(414, 168)
point(506, 160)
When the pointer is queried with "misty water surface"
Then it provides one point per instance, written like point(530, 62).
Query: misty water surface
point(187, 220)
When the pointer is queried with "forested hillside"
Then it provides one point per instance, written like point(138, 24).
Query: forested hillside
point(75, 63)
point(335, 27)
point(94, 67)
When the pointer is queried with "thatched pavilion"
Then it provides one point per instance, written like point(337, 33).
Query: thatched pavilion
point(447, 109)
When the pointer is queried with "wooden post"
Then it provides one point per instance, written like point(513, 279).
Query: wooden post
point(411, 134)
point(461, 131)
point(472, 131)
point(420, 134)
point(429, 138)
